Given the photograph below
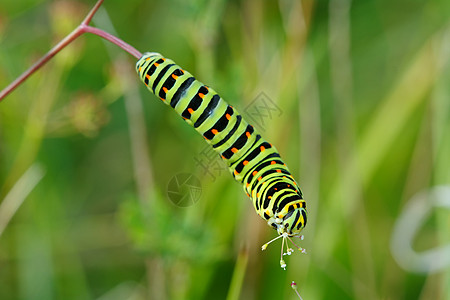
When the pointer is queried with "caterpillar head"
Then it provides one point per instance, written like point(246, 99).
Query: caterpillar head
point(291, 219)
point(289, 222)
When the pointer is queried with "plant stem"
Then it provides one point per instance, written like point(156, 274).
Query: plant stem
point(82, 28)
point(37, 65)
point(113, 39)
point(92, 12)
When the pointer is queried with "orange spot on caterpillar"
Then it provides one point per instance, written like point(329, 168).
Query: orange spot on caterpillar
point(228, 117)
point(273, 162)
point(259, 179)
point(140, 69)
point(245, 162)
point(254, 173)
point(270, 197)
point(174, 76)
point(279, 171)
point(236, 172)
point(262, 148)
point(156, 64)
point(165, 89)
point(148, 58)
point(234, 150)
point(201, 95)
point(214, 131)
point(190, 110)
point(247, 134)
point(223, 157)
point(147, 76)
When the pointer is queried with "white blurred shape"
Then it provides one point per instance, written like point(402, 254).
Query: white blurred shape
point(409, 223)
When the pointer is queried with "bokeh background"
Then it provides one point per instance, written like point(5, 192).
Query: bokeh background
point(354, 94)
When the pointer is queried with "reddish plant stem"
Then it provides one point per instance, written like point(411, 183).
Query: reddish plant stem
point(113, 39)
point(92, 12)
point(82, 28)
point(37, 65)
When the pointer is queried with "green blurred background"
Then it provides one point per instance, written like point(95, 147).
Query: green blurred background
point(360, 112)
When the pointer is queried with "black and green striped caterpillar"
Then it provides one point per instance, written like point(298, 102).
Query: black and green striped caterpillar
point(252, 161)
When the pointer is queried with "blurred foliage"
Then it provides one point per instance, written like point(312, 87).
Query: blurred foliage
point(365, 125)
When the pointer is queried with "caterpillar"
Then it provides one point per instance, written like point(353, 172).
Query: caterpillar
point(251, 160)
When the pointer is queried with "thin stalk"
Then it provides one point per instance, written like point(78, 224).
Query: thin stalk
point(294, 287)
point(237, 279)
point(113, 39)
point(91, 14)
point(17, 195)
point(42, 61)
point(82, 28)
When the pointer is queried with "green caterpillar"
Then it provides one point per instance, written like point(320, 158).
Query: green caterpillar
point(252, 161)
